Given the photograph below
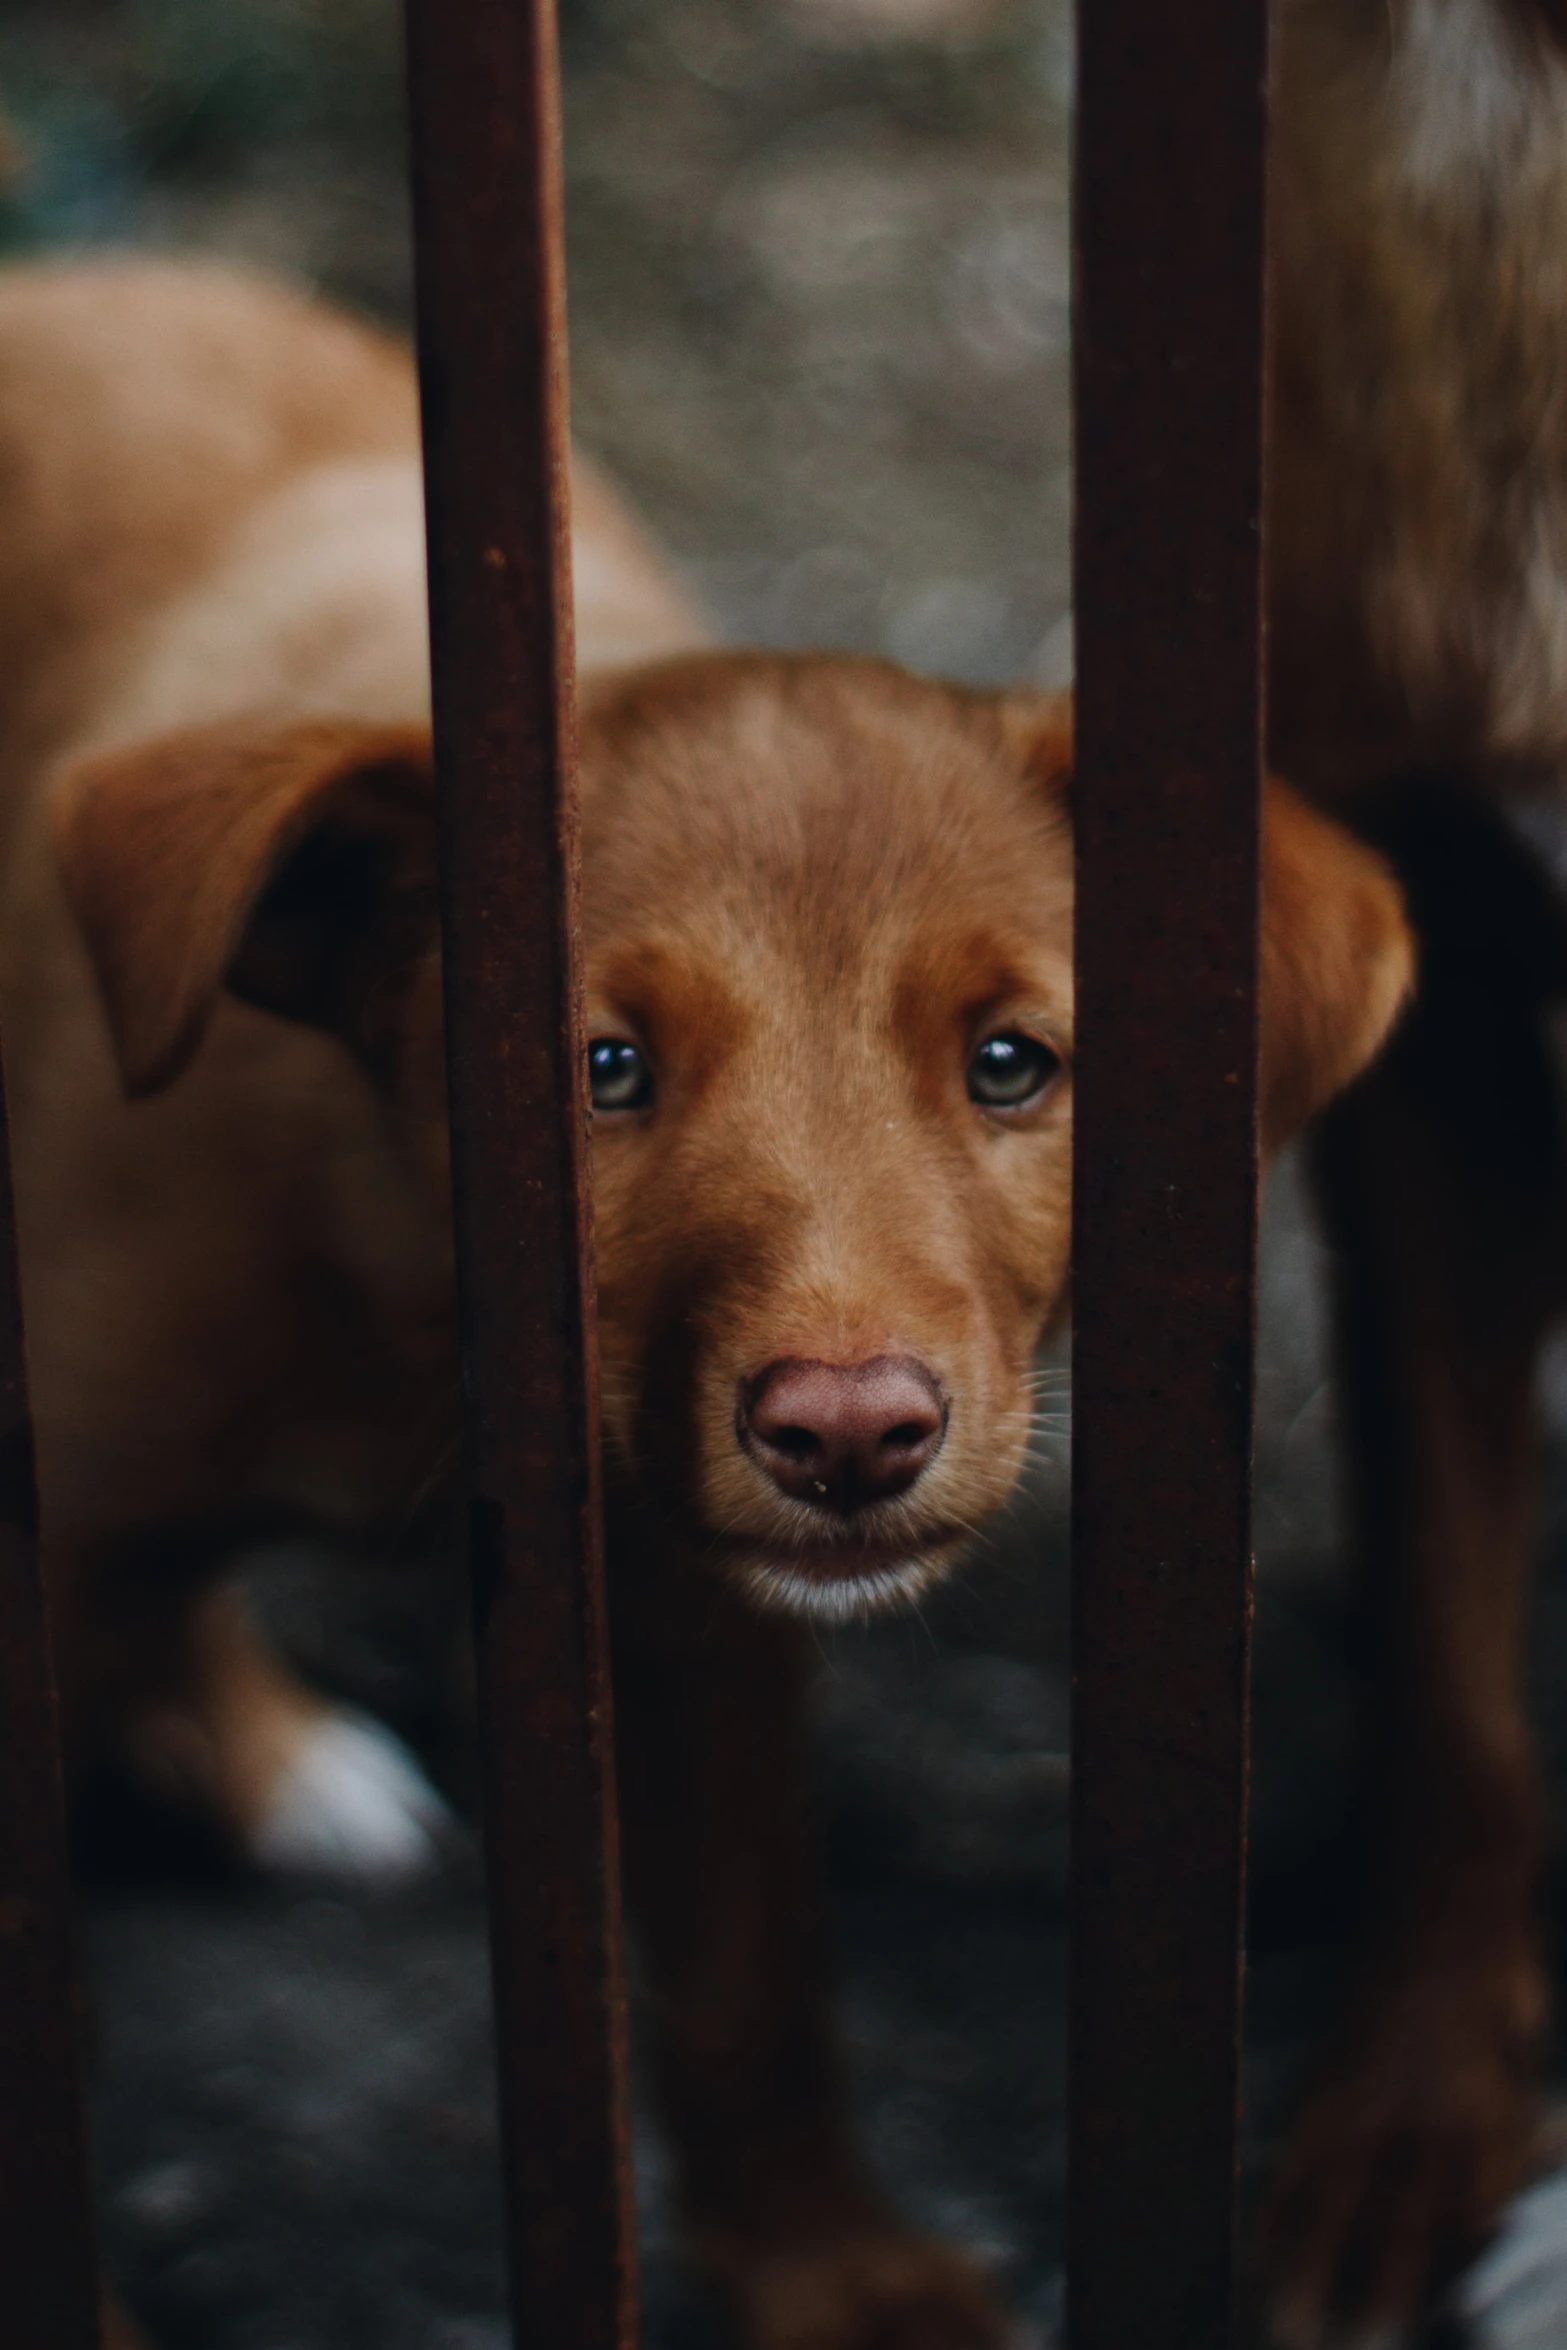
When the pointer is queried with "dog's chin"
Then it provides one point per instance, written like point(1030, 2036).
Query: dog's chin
point(838, 1586)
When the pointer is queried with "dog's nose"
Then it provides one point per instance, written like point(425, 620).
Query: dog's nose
point(842, 1435)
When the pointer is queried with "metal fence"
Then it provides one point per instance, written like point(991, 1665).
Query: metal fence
point(1169, 209)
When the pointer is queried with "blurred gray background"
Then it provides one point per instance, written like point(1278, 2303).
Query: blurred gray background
point(819, 306)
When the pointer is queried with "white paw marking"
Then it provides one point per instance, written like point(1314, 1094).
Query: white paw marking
point(1515, 2296)
point(354, 1804)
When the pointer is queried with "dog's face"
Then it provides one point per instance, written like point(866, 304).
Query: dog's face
point(828, 964)
point(829, 996)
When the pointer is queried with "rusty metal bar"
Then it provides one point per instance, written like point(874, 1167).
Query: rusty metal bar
point(1170, 179)
point(490, 275)
point(48, 2286)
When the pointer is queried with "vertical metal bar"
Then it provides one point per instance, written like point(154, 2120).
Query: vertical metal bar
point(48, 2286)
point(490, 270)
point(1170, 179)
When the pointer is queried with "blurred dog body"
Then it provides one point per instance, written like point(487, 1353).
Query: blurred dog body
point(1418, 517)
point(1417, 564)
point(827, 913)
point(182, 553)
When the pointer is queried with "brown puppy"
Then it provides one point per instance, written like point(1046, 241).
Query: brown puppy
point(1418, 571)
point(828, 932)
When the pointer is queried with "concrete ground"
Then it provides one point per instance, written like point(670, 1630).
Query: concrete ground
point(819, 265)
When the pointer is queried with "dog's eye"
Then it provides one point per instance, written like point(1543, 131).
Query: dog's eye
point(619, 1076)
point(1010, 1071)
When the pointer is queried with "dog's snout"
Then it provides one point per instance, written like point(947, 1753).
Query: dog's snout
point(842, 1435)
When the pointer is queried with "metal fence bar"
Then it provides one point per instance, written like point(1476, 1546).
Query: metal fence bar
point(48, 2285)
point(1170, 178)
point(490, 272)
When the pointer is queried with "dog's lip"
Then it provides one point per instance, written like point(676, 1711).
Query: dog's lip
point(849, 1559)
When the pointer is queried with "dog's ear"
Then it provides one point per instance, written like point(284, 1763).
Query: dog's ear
point(1338, 960)
point(1338, 956)
point(294, 864)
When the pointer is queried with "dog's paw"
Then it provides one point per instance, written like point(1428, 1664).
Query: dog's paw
point(877, 2290)
point(1418, 2133)
point(352, 1804)
point(1516, 2296)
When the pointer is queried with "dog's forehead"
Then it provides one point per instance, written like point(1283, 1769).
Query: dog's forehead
point(829, 803)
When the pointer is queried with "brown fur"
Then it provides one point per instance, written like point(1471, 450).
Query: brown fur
point(1418, 570)
point(1418, 526)
point(810, 885)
